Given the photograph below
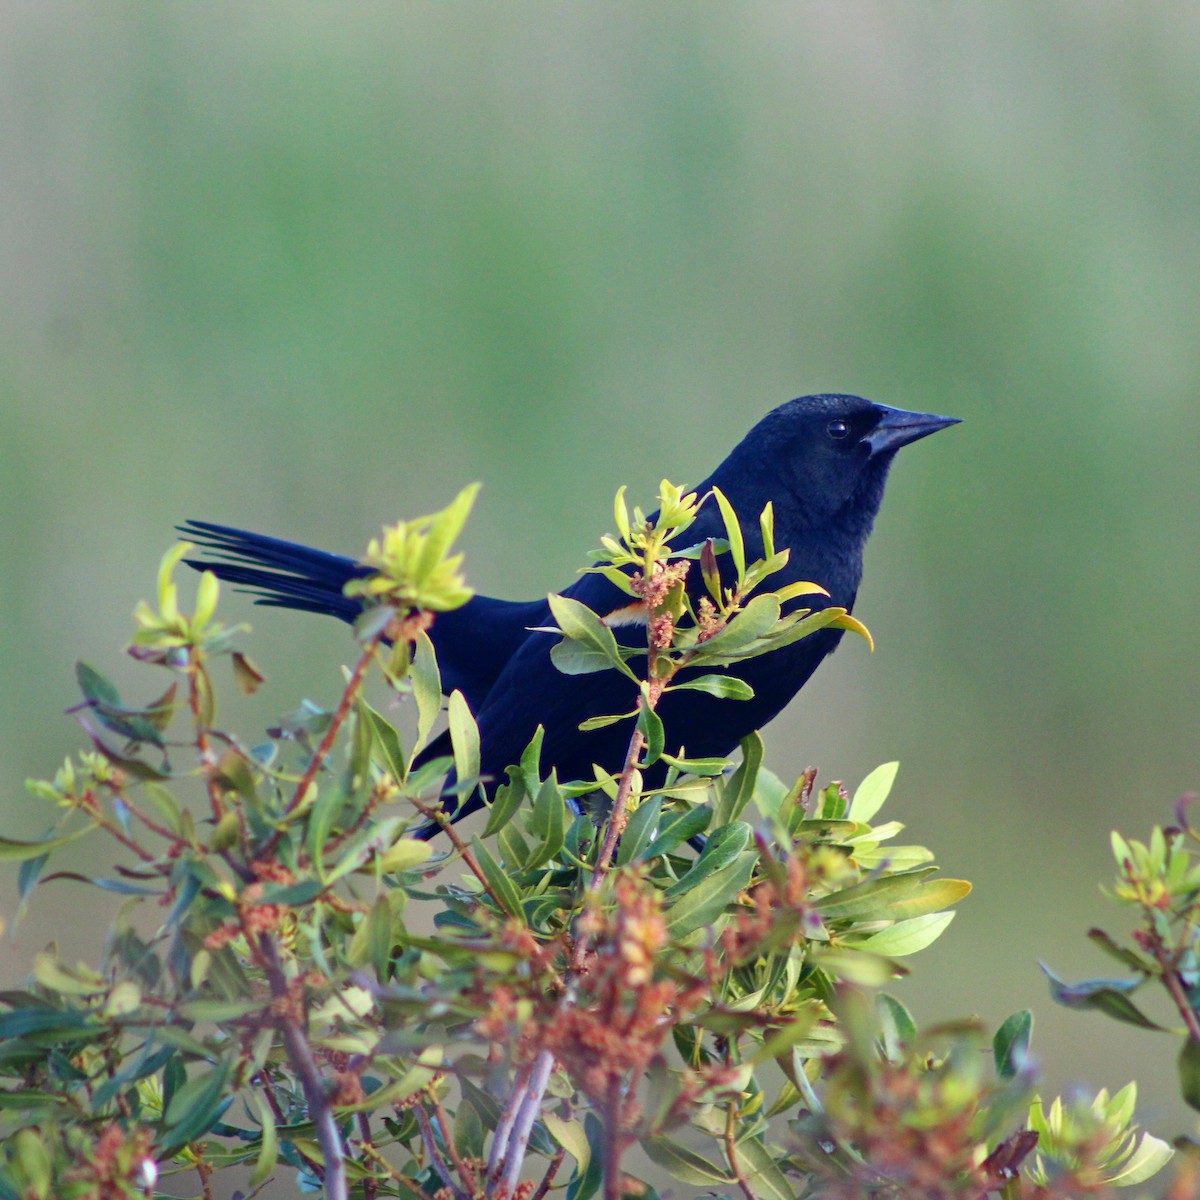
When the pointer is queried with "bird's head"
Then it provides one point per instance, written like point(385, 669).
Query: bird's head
point(824, 458)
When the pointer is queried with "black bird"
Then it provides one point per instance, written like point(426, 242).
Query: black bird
point(821, 460)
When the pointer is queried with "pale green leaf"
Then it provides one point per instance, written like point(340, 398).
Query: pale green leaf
point(872, 792)
point(907, 937)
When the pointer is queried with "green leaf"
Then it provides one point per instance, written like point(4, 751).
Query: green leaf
point(444, 528)
point(621, 514)
point(32, 1022)
point(303, 891)
point(733, 531)
point(1189, 1072)
point(506, 800)
point(765, 1175)
point(415, 1079)
point(404, 855)
point(323, 816)
point(604, 722)
point(640, 831)
point(1109, 996)
point(268, 1150)
point(464, 736)
point(907, 937)
point(499, 882)
point(872, 793)
point(469, 1133)
point(576, 658)
point(782, 1040)
point(1150, 1157)
point(893, 897)
point(98, 688)
point(36, 1165)
point(897, 1028)
point(683, 1164)
point(582, 626)
point(675, 829)
point(707, 767)
point(548, 822)
point(378, 936)
point(207, 593)
point(793, 628)
point(195, 1108)
point(721, 849)
point(651, 726)
point(587, 1179)
point(387, 741)
point(728, 687)
point(571, 1137)
point(217, 1010)
point(12, 850)
point(1121, 953)
point(708, 900)
point(134, 724)
point(736, 791)
point(766, 527)
point(745, 627)
point(1010, 1046)
point(427, 687)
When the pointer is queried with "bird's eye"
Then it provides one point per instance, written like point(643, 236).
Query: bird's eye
point(837, 429)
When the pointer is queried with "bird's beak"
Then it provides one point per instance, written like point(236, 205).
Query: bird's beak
point(897, 428)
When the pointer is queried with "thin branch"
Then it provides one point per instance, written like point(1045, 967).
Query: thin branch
point(351, 690)
point(370, 1184)
point(154, 827)
point(1169, 963)
point(264, 1081)
point(548, 1178)
point(531, 1105)
point(616, 819)
point(205, 1171)
point(616, 1140)
point(730, 1139)
point(114, 830)
point(499, 1154)
point(439, 1164)
point(466, 1175)
point(432, 813)
point(300, 1055)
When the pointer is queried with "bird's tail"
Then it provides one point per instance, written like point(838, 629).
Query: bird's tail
point(280, 574)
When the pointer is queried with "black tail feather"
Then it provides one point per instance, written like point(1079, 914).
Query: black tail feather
point(279, 574)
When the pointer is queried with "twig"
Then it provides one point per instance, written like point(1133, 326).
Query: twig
point(277, 1112)
point(616, 819)
point(300, 1055)
point(465, 1174)
point(548, 1178)
point(512, 1134)
point(430, 813)
point(499, 1154)
point(731, 1153)
point(435, 1155)
point(205, 1171)
point(154, 827)
point(616, 1141)
point(1169, 964)
point(531, 1105)
point(321, 753)
point(114, 830)
point(370, 1184)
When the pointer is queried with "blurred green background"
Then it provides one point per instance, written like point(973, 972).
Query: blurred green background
point(309, 268)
